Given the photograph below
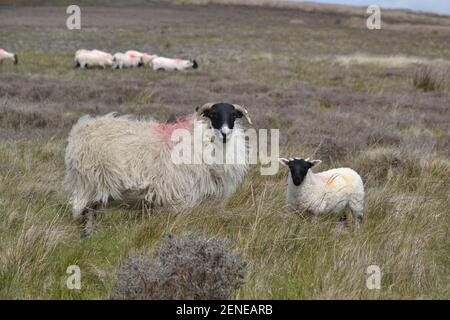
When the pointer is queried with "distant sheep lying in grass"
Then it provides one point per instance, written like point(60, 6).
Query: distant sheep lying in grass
point(122, 60)
point(328, 191)
point(92, 58)
point(167, 64)
point(5, 55)
point(108, 156)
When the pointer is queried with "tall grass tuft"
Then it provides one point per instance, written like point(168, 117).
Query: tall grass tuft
point(430, 78)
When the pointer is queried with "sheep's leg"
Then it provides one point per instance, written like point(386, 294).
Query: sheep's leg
point(78, 207)
point(90, 217)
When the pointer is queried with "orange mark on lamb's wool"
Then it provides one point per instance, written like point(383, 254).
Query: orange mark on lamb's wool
point(335, 178)
point(168, 128)
point(332, 178)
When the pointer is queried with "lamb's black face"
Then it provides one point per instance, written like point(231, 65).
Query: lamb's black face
point(299, 168)
point(223, 116)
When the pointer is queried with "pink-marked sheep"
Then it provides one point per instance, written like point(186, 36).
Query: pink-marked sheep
point(146, 57)
point(115, 157)
point(122, 60)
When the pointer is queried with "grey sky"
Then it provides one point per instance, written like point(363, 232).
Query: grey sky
point(436, 6)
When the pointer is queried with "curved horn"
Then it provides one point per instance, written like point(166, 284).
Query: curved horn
point(244, 112)
point(204, 107)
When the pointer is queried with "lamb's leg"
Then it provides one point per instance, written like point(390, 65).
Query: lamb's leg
point(357, 212)
point(342, 222)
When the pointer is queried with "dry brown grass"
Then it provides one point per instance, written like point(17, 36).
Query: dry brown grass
point(431, 78)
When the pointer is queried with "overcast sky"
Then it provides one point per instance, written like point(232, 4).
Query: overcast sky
point(436, 6)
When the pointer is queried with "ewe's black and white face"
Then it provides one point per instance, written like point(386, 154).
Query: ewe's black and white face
point(299, 168)
point(223, 117)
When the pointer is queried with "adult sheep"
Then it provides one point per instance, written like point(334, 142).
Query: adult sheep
point(331, 191)
point(146, 57)
point(122, 60)
point(5, 55)
point(110, 157)
point(167, 64)
point(92, 58)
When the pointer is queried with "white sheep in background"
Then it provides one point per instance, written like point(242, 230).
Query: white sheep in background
point(5, 55)
point(167, 64)
point(112, 157)
point(122, 60)
point(329, 191)
point(92, 58)
point(146, 58)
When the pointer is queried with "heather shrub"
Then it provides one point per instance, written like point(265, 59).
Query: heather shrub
point(184, 267)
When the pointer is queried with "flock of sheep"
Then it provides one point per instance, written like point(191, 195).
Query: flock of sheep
point(85, 59)
point(131, 59)
point(115, 157)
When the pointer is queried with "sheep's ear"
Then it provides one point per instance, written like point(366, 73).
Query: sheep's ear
point(315, 162)
point(284, 161)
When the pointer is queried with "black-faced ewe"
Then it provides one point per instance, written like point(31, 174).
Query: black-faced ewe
point(114, 157)
point(331, 191)
point(167, 64)
point(5, 55)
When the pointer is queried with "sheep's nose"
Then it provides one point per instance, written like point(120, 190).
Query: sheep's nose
point(225, 131)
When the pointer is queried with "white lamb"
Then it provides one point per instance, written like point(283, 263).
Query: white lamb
point(122, 60)
point(167, 64)
point(5, 55)
point(331, 191)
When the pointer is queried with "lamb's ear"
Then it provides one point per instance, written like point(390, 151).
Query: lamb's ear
point(315, 162)
point(284, 161)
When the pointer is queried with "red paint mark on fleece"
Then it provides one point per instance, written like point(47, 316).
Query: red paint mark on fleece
point(132, 55)
point(178, 61)
point(168, 128)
